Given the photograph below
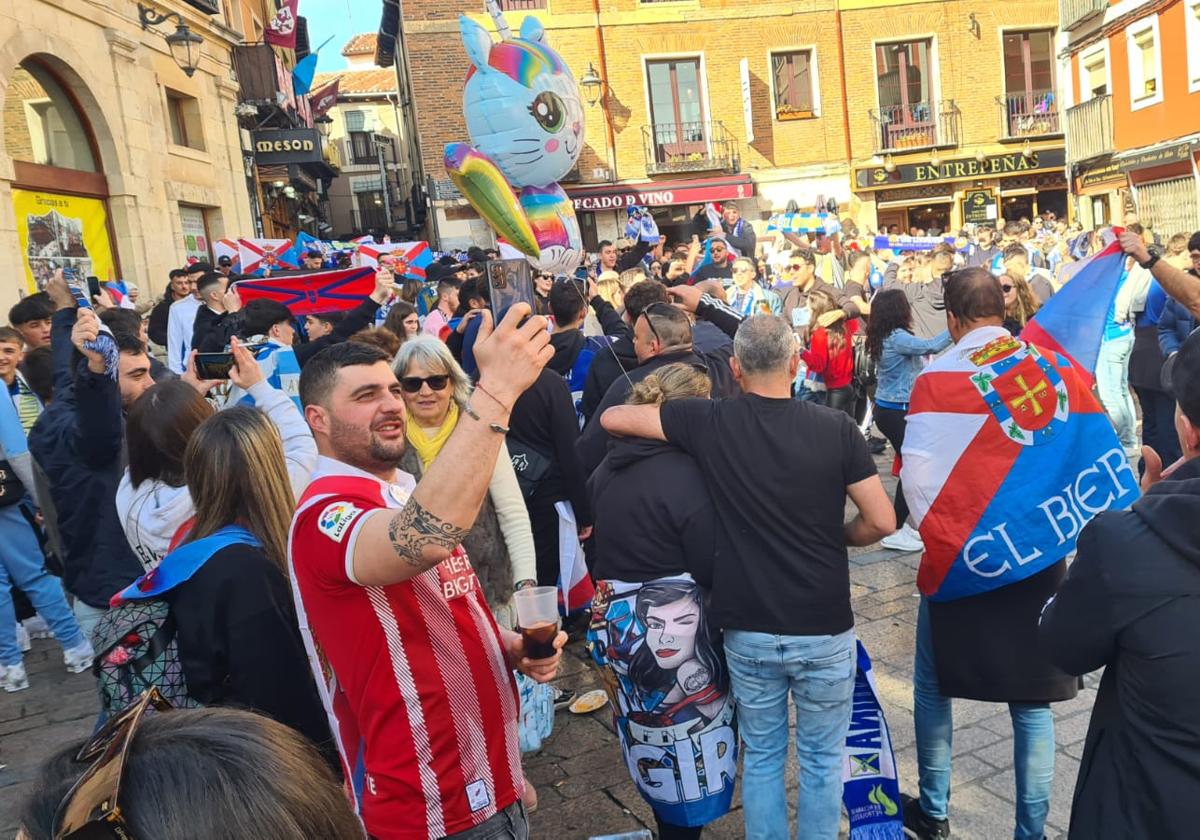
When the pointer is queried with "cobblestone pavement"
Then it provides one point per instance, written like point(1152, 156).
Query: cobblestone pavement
point(583, 787)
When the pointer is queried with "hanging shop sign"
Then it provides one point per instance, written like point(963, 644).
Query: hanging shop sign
point(290, 145)
point(979, 207)
point(992, 166)
point(662, 195)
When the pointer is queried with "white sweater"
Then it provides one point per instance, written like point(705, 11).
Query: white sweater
point(153, 512)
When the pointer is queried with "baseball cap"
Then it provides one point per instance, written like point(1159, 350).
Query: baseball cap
point(1181, 377)
point(224, 260)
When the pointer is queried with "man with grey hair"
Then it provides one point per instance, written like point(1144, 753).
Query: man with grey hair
point(781, 581)
point(746, 295)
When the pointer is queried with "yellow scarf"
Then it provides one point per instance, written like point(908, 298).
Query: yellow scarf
point(429, 447)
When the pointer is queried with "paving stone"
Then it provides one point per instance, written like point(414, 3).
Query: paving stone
point(1071, 730)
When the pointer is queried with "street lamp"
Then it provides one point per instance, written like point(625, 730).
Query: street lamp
point(592, 85)
point(324, 125)
point(183, 42)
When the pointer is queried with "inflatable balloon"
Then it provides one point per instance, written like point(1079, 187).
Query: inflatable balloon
point(525, 119)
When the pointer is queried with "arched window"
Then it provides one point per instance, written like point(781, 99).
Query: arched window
point(41, 123)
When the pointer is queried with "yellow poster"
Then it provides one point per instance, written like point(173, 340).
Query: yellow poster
point(56, 231)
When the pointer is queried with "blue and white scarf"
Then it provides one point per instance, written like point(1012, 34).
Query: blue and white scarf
point(870, 789)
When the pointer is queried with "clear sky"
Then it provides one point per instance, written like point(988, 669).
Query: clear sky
point(340, 19)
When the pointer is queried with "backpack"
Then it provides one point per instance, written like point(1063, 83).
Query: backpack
point(136, 649)
point(135, 640)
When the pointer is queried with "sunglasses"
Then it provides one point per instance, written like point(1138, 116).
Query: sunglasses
point(412, 384)
point(90, 811)
point(797, 266)
point(1006, 287)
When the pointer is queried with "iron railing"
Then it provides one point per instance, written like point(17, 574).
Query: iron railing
point(1073, 13)
point(370, 218)
point(918, 125)
point(1029, 114)
point(688, 147)
point(1089, 129)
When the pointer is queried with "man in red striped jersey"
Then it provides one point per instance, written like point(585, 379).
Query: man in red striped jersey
point(416, 675)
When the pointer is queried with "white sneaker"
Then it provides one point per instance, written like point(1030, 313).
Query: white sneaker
point(79, 659)
point(905, 539)
point(12, 677)
point(23, 638)
point(38, 628)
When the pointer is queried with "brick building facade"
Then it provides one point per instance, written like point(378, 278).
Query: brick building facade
point(774, 104)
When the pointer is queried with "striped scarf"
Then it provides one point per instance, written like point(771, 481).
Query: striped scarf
point(28, 406)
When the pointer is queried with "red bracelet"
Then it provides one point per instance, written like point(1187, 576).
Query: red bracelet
point(495, 399)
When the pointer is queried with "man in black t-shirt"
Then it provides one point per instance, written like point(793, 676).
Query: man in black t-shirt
point(779, 471)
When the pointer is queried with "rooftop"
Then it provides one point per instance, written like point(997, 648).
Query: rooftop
point(361, 44)
point(358, 82)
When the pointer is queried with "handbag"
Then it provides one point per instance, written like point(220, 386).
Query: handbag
point(530, 464)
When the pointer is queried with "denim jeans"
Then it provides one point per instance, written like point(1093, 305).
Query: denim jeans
point(1033, 744)
point(509, 824)
point(88, 617)
point(819, 673)
point(22, 566)
point(1112, 383)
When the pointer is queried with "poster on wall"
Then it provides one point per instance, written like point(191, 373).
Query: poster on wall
point(56, 231)
point(195, 238)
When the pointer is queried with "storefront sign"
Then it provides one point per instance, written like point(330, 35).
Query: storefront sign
point(57, 231)
point(292, 145)
point(655, 195)
point(1101, 173)
point(1156, 157)
point(993, 166)
point(979, 207)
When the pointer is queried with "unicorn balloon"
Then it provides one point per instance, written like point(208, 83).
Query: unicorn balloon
point(525, 119)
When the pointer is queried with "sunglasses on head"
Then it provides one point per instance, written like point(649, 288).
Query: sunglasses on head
point(649, 310)
point(412, 384)
point(90, 810)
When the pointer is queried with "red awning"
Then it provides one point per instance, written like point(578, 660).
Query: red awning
point(661, 193)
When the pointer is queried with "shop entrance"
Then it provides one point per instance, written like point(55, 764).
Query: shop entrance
point(933, 219)
point(675, 223)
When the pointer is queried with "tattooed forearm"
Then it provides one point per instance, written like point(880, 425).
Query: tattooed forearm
point(413, 529)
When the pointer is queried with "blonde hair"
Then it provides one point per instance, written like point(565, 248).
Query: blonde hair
point(608, 286)
point(1025, 305)
point(236, 473)
point(631, 277)
point(671, 382)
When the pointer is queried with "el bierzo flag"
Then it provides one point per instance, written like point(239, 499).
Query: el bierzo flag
point(308, 294)
point(1072, 321)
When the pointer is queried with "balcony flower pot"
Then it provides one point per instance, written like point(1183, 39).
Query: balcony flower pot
point(789, 114)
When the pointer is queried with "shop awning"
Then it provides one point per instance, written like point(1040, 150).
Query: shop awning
point(661, 193)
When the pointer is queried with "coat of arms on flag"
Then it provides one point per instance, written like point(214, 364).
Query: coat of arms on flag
point(1007, 456)
point(258, 255)
point(407, 260)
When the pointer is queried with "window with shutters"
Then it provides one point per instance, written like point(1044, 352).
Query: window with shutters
point(794, 79)
point(1145, 63)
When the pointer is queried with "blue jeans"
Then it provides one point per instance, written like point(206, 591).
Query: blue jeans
point(22, 566)
point(1033, 744)
point(1112, 384)
point(819, 673)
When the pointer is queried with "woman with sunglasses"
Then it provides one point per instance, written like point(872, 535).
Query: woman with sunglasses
point(900, 357)
point(1020, 303)
point(828, 355)
point(226, 584)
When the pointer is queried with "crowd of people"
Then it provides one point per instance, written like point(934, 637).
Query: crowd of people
point(297, 585)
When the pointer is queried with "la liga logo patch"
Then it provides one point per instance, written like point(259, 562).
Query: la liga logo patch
point(336, 519)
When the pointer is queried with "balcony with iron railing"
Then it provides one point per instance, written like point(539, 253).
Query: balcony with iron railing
point(369, 218)
point(1089, 129)
point(1073, 13)
point(1029, 114)
point(918, 125)
point(688, 147)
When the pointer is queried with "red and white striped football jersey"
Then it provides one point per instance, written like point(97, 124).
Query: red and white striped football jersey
point(414, 672)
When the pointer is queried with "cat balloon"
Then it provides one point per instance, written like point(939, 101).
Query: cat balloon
point(525, 119)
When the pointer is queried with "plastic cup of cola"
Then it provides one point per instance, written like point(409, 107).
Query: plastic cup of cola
point(537, 616)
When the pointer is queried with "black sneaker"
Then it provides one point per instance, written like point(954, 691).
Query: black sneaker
point(877, 445)
point(918, 824)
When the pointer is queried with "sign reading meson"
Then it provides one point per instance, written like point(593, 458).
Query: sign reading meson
point(292, 145)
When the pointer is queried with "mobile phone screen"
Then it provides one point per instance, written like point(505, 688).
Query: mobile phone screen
point(509, 282)
point(217, 365)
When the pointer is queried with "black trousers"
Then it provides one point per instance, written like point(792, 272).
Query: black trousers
point(842, 399)
point(666, 831)
point(891, 421)
point(1158, 423)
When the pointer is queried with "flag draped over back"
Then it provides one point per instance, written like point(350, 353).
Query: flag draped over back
point(1072, 322)
point(1007, 455)
point(307, 294)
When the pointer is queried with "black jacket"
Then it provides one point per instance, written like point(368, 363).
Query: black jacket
point(593, 443)
point(567, 346)
point(607, 368)
point(208, 325)
point(1131, 604)
point(78, 441)
point(239, 644)
point(360, 317)
point(544, 418)
point(642, 532)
